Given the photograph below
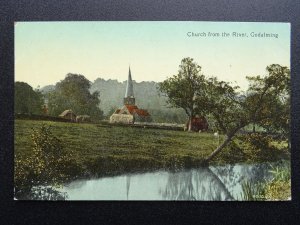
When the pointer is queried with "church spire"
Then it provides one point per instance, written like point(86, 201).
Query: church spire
point(129, 87)
point(129, 96)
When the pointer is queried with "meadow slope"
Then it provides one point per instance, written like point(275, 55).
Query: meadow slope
point(100, 150)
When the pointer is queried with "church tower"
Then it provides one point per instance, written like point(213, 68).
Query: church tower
point(129, 96)
point(130, 113)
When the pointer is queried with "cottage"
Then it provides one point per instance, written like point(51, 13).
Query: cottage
point(199, 123)
point(130, 113)
point(68, 114)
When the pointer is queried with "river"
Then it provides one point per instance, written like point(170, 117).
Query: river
point(211, 183)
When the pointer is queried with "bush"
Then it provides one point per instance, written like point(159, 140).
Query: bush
point(259, 141)
point(280, 186)
point(259, 147)
point(44, 169)
point(233, 153)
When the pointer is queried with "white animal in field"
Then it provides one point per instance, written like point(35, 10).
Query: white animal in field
point(217, 136)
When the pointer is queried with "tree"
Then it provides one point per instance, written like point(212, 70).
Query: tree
point(233, 111)
point(27, 100)
point(183, 88)
point(111, 111)
point(278, 104)
point(73, 93)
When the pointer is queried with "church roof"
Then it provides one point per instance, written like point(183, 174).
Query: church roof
point(142, 112)
point(131, 108)
point(134, 109)
point(129, 87)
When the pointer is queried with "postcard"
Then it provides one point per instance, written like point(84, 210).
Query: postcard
point(152, 110)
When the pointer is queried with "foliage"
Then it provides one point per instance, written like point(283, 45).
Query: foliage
point(110, 112)
point(268, 99)
point(253, 147)
point(183, 88)
point(73, 93)
point(258, 141)
point(44, 168)
point(222, 102)
point(27, 101)
point(282, 173)
point(234, 152)
point(253, 192)
point(260, 104)
point(278, 188)
point(233, 110)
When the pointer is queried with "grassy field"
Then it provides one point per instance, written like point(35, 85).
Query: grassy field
point(104, 150)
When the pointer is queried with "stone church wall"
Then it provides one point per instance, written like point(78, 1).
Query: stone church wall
point(121, 118)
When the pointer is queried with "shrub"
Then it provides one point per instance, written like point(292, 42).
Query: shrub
point(233, 153)
point(259, 147)
point(44, 169)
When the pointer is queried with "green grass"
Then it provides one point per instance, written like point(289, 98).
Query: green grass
point(100, 150)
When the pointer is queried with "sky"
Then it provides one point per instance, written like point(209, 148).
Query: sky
point(46, 51)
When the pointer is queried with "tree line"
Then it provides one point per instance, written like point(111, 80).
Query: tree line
point(70, 93)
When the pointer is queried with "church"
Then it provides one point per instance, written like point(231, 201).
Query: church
point(129, 113)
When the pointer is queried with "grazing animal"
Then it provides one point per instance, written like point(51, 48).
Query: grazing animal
point(217, 136)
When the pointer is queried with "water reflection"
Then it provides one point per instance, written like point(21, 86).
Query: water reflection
point(233, 176)
point(127, 185)
point(213, 183)
point(200, 184)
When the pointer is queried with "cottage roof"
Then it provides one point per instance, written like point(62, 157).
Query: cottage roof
point(64, 113)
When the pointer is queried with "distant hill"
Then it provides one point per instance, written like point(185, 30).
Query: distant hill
point(47, 89)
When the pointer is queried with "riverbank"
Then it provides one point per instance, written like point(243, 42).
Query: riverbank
point(109, 150)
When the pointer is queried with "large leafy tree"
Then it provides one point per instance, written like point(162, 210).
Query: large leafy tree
point(183, 88)
point(275, 114)
point(27, 100)
point(73, 93)
point(266, 102)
